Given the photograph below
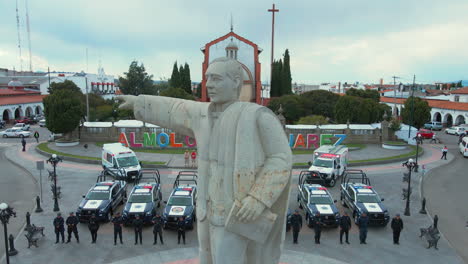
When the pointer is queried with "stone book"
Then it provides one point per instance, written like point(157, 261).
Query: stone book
point(257, 230)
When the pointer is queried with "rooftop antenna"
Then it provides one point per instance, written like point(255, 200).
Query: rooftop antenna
point(29, 36)
point(19, 38)
point(232, 24)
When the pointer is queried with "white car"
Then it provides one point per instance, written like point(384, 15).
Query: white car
point(22, 126)
point(15, 132)
point(455, 130)
point(42, 123)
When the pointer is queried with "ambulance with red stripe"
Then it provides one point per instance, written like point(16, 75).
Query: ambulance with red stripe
point(331, 162)
point(118, 157)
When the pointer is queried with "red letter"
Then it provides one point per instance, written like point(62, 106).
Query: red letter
point(173, 143)
point(132, 141)
point(312, 139)
point(123, 139)
point(187, 142)
point(299, 141)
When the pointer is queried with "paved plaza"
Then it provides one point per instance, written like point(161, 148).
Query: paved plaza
point(75, 180)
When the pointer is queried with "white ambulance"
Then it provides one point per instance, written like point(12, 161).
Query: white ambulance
point(331, 162)
point(117, 156)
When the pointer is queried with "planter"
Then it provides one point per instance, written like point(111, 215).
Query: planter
point(67, 143)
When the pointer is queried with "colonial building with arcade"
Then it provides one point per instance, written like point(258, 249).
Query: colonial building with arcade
point(244, 51)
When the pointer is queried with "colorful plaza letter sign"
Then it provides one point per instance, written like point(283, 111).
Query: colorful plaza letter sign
point(314, 140)
point(153, 140)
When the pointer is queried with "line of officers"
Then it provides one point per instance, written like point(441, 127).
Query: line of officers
point(345, 226)
point(72, 222)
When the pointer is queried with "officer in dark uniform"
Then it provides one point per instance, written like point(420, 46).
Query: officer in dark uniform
point(317, 227)
point(59, 228)
point(157, 229)
point(397, 226)
point(93, 226)
point(345, 226)
point(72, 222)
point(117, 221)
point(138, 226)
point(180, 230)
point(363, 222)
point(296, 224)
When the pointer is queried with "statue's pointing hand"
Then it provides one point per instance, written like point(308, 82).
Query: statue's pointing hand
point(250, 210)
point(129, 101)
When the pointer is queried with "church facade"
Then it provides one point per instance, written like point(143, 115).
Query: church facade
point(244, 51)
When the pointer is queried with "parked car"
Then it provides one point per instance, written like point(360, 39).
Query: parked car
point(42, 123)
point(22, 126)
point(24, 120)
point(15, 132)
point(455, 130)
point(463, 147)
point(433, 125)
point(425, 133)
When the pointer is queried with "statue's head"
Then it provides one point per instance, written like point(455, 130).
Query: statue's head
point(224, 80)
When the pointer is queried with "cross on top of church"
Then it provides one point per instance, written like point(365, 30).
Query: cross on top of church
point(273, 10)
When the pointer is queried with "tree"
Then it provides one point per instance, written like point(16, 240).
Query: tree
point(346, 109)
point(275, 85)
point(286, 80)
point(63, 111)
point(371, 94)
point(177, 93)
point(359, 110)
point(422, 112)
point(136, 80)
point(460, 83)
point(187, 82)
point(67, 84)
point(199, 88)
point(395, 124)
point(291, 106)
point(313, 120)
point(319, 102)
point(175, 77)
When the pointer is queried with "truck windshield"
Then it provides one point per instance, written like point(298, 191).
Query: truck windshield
point(140, 198)
point(127, 161)
point(326, 163)
point(314, 199)
point(368, 198)
point(98, 195)
point(182, 201)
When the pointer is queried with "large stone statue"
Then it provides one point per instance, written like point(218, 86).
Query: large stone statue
point(244, 166)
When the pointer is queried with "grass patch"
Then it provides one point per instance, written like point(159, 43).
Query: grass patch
point(395, 143)
point(44, 147)
point(354, 147)
point(302, 151)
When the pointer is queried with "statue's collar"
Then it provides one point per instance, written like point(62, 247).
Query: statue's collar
point(219, 108)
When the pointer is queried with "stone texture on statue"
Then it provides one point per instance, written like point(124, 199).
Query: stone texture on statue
point(244, 159)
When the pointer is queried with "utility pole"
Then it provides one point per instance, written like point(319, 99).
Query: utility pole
point(412, 107)
point(87, 98)
point(29, 36)
point(273, 11)
point(394, 94)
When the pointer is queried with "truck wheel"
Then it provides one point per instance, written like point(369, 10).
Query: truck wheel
point(332, 182)
point(5, 136)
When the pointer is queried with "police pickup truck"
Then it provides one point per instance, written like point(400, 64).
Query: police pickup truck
point(145, 197)
point(313, 198)
point(360, 197)
point(182, 201)
point(101, 200)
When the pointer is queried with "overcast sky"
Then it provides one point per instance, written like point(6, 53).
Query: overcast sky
point(329, 41)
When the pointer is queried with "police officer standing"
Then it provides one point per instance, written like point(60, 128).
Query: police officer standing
point(296, 224)
point(72, 222)
point(138, 226)
point(180, 230)
point(363, 222)
point(317, 227)
point(93, 226)
point(345, 226)
point(157, 229)
point(117, 221)
point(59, 228)
point(397, 226)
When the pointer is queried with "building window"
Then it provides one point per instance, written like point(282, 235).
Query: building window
point(457, 98)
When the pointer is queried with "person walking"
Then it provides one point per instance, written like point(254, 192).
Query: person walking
point(59, 228)
point(138, 227)
point(194, 157)
point(420, 139)
point(187, 157)
point(444, 153)
point(363, 223)
point(93, 226)
point(180, 230)
point(117, 221)
point(23, 143)
point(397, 226)
point(36, 136)
point(157, 228)
point(317, 227)
point(296, 224)
point(434, 138)
point(72, 222)
point(345, 226)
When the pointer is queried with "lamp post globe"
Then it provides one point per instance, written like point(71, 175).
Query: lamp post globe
point(54, 156)
point(3, 206)
point(410, 165)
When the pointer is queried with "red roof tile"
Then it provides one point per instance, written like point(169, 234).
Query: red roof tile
point(23, 99)
point(432, 103)
point(7, 92)
point(463, 90)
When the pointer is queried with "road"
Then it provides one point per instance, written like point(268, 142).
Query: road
point(445, 191)
point(21, 199)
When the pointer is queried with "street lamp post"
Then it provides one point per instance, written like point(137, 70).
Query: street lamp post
point(53, 161)
point(417, 154)
point(410, 164)
point(5, 213)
